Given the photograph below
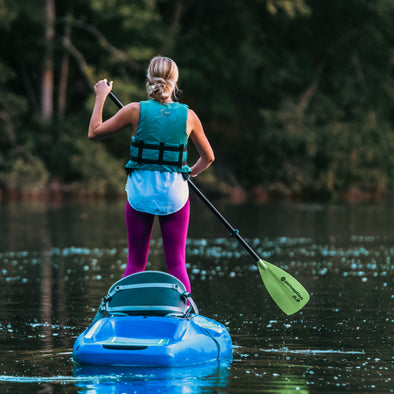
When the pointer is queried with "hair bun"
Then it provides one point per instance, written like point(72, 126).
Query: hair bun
point(159, 89)
point(162, 79)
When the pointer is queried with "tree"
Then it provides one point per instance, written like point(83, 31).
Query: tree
point(294, 94)
point(48, 66)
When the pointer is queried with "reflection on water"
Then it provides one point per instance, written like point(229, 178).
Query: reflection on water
point(133, 379)
point(56, 262)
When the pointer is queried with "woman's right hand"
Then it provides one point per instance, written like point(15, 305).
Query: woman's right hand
point(102, 88)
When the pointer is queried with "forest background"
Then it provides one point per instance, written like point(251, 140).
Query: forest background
point(294, 95)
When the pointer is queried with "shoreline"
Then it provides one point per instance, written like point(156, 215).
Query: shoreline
point(231, 194)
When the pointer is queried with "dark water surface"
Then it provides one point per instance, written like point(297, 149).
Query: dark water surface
point(57, 261)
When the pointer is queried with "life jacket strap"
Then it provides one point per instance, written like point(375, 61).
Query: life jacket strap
point(161, 147)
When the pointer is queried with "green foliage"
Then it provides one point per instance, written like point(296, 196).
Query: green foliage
point(295, 96)
point(96, 170)
point(23, 173)
point(7, 13)
point(292, 8)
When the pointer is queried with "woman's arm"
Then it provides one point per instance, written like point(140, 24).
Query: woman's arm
point(126, 116)
point(200, 141)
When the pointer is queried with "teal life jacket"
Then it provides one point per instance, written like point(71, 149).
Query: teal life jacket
point(160, 143)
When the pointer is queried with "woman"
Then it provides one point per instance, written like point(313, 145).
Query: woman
point(156, 185)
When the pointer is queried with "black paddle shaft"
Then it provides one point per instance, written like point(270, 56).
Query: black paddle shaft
point(115, 100)
point(234, 232)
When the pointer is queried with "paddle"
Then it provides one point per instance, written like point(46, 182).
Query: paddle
point(286, 291)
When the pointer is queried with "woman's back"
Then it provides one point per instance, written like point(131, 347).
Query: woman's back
point(162, 122)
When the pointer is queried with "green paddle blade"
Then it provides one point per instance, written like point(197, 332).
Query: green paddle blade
point(286, 291)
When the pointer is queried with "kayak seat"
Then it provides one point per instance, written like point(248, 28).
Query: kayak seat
point(146, 293)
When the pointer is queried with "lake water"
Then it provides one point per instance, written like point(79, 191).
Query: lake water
point(58, 260)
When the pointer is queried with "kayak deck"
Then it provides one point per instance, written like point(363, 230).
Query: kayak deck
point(153, 341)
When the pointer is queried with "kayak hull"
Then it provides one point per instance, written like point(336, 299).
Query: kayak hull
point(153, 341)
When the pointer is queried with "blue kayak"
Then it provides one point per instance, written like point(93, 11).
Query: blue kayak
point(145, 320)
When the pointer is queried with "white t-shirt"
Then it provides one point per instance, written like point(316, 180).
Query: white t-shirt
point(156, 192)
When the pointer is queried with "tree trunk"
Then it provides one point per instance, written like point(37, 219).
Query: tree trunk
point(48, 73)
point(174, 28)
point(62, 98)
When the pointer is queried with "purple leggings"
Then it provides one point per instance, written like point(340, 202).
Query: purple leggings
point(174, 233)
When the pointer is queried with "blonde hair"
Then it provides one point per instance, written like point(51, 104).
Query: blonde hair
point(162, 78)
